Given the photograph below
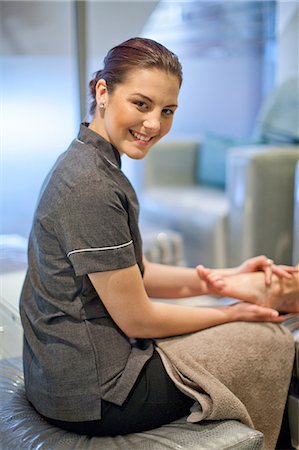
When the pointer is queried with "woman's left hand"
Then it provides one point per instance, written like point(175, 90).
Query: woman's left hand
point(267, 265)
point(215, 278)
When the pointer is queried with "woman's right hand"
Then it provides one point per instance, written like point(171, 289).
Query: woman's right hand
point(249, 312)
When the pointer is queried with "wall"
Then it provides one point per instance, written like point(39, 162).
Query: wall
point(226, 49)
point(217, 96)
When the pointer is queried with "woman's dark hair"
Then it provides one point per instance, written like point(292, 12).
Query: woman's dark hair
point(135, 53)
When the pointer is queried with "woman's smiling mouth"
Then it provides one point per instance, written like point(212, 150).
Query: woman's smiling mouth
point(140, 137)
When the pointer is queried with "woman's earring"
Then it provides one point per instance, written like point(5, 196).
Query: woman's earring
point(102, 105)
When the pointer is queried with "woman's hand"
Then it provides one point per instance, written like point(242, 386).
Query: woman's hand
point(255, 264)
point(217, 281)
point(243, 311)
point(267, 266)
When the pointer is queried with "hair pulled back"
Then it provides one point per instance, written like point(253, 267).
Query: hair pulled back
point(135, 53)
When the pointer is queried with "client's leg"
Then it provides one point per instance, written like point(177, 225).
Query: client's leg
point(282, 294)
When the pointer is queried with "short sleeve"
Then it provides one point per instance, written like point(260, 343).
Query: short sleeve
point(93, 228)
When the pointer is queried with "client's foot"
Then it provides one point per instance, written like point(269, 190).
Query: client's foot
point(282, 294)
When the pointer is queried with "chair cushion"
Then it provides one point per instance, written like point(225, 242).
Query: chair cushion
point(23, 428)
point(212, 155)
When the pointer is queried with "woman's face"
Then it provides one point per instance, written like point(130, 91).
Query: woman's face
point(139, 112)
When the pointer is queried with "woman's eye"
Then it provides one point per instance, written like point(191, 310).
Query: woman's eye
point(168, 112)
point(141, 105)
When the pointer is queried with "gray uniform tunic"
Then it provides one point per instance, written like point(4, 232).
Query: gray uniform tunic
point(86, 221)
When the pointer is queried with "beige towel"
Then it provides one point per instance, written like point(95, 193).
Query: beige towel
point(240, 370)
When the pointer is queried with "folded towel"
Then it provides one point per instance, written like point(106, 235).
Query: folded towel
point(240, 370)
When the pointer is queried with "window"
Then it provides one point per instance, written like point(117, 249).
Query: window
point(39, 102)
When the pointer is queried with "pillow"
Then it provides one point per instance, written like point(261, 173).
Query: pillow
point(211, 161)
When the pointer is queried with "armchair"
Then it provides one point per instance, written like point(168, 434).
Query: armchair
point(252, 214)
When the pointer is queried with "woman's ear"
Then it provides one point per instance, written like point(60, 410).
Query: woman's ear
point(101, 93)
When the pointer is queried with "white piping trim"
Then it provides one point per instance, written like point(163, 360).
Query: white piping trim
point(114, 247)
point(112, 164)
point(78, 140)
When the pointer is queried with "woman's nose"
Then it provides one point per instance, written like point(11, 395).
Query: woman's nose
point(152, 123)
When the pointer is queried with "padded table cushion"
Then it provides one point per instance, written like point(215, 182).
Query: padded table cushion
point(22, 428)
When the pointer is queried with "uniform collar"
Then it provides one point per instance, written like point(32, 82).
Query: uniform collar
point(89, 136)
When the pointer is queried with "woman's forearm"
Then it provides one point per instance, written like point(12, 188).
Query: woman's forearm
point(163, 320)
point(163, 281)
point(166, 320)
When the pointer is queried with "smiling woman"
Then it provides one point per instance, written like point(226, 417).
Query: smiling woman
point(90, 359)
point(137, 95)
point(138, 112)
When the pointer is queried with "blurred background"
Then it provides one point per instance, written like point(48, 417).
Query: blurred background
point(234, 53)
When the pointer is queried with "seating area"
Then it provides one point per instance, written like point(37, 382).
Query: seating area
point(253, 214)
point(22, 428)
